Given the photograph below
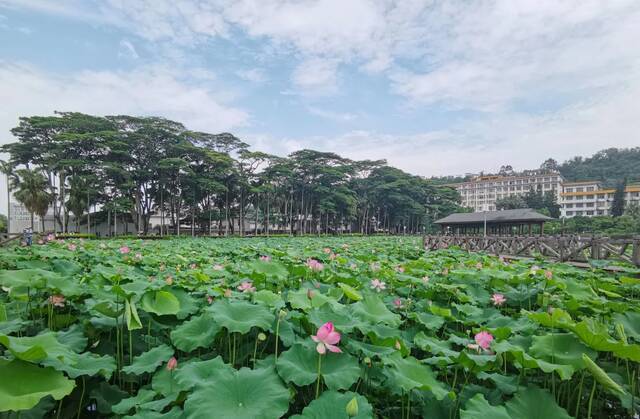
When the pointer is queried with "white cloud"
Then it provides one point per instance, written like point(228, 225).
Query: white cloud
point(127, 50)
point(254, 75)
point(316, 76)
point(151, 90)
point(331, 115)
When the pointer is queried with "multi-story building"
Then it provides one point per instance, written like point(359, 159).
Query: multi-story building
point(589, 198)
point(481, 192)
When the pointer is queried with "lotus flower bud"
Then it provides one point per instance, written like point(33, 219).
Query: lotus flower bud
point(282, 314)
point(352, 408)
point(367, 361)
point(620, 331)
point(262, 337)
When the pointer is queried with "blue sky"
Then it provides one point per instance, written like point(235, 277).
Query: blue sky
point(433, 87)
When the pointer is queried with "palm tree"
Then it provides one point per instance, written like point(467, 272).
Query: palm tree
point(32, 191)
point(7, 169)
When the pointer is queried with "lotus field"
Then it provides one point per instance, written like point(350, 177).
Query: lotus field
point(310, 328)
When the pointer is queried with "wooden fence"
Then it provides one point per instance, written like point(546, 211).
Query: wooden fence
point(560, 248)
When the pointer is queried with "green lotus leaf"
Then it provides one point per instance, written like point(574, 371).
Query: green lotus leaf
point(26, 278)
point(342, 322)
point(174, 413)
point(430, 321)
point(299, 365)
point(243, 393)
point(434, 345)
point(73, 337)
point(332, 404)
point(37, 348)
point(199, 373)
point(24, 384)
point(107, 395)
point(408, 374)
point(560, 348)
point(160, 303)
point(240, 316)
point(478, 407)
point(164, 382)
point(268, 298)
point(601, 376)
point(188, 304)
point(271, 268)
point(371, 309)
point(535, 403)
point(523, 359)
point(299, 299)
point(368, 349)
point(508, 384)
point(631, 322)
point(86, 363)
point(150, 360)
point(198, 332)
point(125, 405)
point(131, 315)
point(350, 292)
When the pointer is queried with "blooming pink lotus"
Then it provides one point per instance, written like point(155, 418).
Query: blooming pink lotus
point(169, 280)
point(265, 258)
point(397, 302)
point(72, 247)
point(326, 338)
point(57, 300)
point(548, 274)
point(209, 299)
point(326, 250)
point(484, 339)
point(310, 294)
point(172, 364)
point(314, 265)
point(218, 267)
point(246, 286)
point(125, 250)
point(378, 285)
point(400, 269)
point(498, 299)
point(50, 237)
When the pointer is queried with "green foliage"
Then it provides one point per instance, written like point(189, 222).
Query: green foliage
point(169, 333)
point(609, 166)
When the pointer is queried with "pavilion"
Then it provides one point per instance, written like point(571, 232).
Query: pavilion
point(524, 221)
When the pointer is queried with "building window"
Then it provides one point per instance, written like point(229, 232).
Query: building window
point(589, 188)
point(579, 189)
point(589, 204)
point(590, 196)
point(569, 205)
point(600, 196)
point(569, 212)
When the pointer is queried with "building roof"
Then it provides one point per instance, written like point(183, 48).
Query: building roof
point(583, 182)
point(504, 216)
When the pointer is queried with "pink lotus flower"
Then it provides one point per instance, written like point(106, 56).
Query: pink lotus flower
point(193, 266)
point(498, 299)
point(484, 339)
point(172, 364)
point(332, 256)
point(50, 237)
point(40, 241)
point(378, 285)
point(548, 274)
point(479, 265)
point(326, 250)
point(125, 250)
point(400, 269)
point(265, 258)
point(316, 285)
point(57, 300)
point(218, 267)
point(314, 265)
point(397, 303)
point(246, 286)
point(326, 338)
point(209, 299)
point(169, 280)
point(72, 247)
point(310, 294)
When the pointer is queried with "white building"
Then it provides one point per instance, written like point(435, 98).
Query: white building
point(589, 199)
point(481, 192)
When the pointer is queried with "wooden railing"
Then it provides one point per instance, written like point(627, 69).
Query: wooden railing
point(560, 248)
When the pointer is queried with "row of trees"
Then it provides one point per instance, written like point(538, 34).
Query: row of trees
point(546, 202)
point(136, 167)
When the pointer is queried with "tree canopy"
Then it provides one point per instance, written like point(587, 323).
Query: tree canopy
point(135, 167)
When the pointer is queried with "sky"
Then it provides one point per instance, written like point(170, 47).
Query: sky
point(434, 87)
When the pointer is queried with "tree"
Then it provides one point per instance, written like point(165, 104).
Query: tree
point(510, 202)
point(617, 206)
point(31, 189)
point(4, 224)
point(7, 169)
point(549, 165)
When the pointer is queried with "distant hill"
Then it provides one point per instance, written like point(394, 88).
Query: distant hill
point(609, 166)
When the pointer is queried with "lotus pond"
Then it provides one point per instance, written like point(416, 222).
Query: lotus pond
point(310, 328)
